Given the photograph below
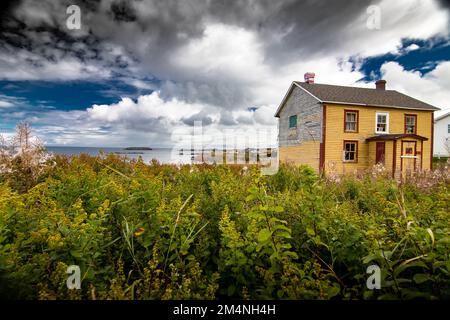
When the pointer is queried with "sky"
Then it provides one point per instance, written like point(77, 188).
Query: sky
point(143, 72)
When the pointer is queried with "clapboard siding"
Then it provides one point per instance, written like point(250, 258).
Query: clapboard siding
point(306, 153)
point(335, 136)
point(309, 119)
point(302, 144)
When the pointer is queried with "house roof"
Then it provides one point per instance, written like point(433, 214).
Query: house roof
point(442, 116)
point(326, 93)
point(395, 136)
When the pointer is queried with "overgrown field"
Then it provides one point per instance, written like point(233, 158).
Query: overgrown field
point(156, 231)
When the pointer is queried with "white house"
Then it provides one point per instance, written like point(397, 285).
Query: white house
point(441, 141)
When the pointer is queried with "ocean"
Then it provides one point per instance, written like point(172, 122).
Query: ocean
point(162, 155)
point(174, 156)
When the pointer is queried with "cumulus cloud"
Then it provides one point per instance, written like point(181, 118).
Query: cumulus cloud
point(146, 107)
point(431, 88)
point(412, 47)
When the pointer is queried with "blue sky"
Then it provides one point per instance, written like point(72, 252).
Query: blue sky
point(424, 57)
point(136, 72)
point(69, 95)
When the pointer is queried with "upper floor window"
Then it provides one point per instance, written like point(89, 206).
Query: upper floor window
point(351, 121)
point(350, 151)
point(382, 122)
point(410, 123)
point(293, 121)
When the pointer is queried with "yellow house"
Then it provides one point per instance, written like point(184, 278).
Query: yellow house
point(348, 129)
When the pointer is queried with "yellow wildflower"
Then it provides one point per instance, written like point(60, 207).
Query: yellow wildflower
point(139, 231)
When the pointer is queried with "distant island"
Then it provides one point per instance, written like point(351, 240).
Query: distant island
point(138, 148)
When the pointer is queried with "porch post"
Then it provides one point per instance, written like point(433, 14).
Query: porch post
point(394, 158)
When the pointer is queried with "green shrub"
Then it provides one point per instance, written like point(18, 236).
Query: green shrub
point(152, 231)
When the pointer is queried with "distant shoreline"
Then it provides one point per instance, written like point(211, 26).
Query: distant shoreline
point(107, 148)
point(137, 148)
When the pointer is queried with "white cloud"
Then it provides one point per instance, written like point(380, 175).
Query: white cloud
point(224, 51)
point(431, 88)
point(146, 107)
point(417, 19)
point(25, 65)
point(412, 47)
point(6, 104)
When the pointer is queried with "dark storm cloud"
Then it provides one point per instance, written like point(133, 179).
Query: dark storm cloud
point(293, 28)
point(289, 28)
point(151, 29)
point(219, 92)
point(123, 11)
point(445, 3)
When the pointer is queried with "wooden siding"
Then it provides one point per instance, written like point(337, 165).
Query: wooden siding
point(335, 135)
point(309, 116)
point(308, 152)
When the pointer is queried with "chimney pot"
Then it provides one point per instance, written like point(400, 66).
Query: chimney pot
point(309, 77)
point(380, 85)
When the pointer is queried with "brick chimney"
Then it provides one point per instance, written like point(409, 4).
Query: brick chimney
point(309, 77)
point(380, 85)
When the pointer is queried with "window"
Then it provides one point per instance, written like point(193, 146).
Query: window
point(293, 121)
point(382, 122)
point(350, 151)
point(351, 121)
point(410, 123)
point(448, 128)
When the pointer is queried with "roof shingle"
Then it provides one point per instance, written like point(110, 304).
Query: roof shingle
point(364, 96)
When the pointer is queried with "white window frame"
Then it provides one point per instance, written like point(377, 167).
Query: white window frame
point(387, 122)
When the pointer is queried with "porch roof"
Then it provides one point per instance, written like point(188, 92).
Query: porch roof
point(396, 136)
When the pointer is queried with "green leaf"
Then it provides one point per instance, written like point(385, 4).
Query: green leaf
point(264, 235)
point(290, 254)
point(278, 209)
point(274, 220)
point(386, 254)
point(369, 258)
point(284, 234)
point(76, 254)
point(281, 227)
point(421, 278)
point(404, 266)
point(368, 294)
point(310, 231)
point(333, 291)
point(280, 294)
point(430, 232)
